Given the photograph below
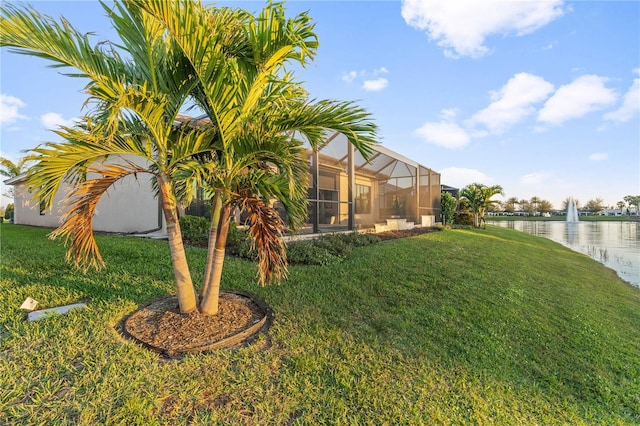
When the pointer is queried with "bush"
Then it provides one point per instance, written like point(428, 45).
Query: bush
point(8, 213)
point(239, 242)
point(324, 250)
point(357, 239)
point(463, 218)
point(448, 204)
point(328, 248)
point(308, 253)
point(195, 230)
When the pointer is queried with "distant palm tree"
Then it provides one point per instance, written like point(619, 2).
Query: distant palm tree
point(534, 204)
point(249, 151)
point(545, 206)
point(510, 205)
point(479, 198)
point(9, 169)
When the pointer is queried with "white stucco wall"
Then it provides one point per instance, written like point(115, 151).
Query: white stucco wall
point(128, 206)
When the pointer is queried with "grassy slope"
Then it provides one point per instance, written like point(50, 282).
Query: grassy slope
point(474, 327)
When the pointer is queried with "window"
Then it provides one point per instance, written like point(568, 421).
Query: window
point(363, 199)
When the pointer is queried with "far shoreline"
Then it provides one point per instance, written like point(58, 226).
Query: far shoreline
point(564, 218)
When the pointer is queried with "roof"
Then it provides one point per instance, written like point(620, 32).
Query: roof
point(15, 179)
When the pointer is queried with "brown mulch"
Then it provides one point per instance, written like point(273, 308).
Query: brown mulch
point(161, 327)
point(392, 235)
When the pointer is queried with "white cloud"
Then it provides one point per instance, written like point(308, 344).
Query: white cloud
point(449, 113)
point(445, 133)
point(370, 79)
point(459, 177)
point(375, 85)
point(53, 120)
point(630, 104)
point(599, 156)
point(349, 76)
point(536, 178)
point(9, 106)
point(576, 99)
point(461, 27)
point(513, 102)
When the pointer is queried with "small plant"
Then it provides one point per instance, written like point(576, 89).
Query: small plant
point(397, 208)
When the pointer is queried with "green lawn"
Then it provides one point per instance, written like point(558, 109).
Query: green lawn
point(456, 327)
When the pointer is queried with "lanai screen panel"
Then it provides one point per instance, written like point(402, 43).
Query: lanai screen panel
point(395, 183)
point(333, 182)
point(426, 197)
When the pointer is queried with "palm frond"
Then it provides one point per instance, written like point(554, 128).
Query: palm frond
point(265, 229)
point(56, 163)
point(28, 32)
point(77, 226)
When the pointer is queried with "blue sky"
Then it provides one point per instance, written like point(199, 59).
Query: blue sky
point(540, 97)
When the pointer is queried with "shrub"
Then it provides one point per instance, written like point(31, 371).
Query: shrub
point(327, 249)
point(195, 230)
point(239, 242)
point(357, 239)
point(463, 218)
point(448, 203)
point(309, 253)
point(8, 213)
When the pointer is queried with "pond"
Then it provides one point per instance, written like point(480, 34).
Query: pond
point(615, 244)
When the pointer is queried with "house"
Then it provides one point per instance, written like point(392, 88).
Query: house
point(345, 193)
point(130, 206)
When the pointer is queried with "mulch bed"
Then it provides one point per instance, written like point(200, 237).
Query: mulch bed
point(161, 327)
point(392, 235)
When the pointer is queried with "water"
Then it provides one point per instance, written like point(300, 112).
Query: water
point(572, 212)
point(615, 244)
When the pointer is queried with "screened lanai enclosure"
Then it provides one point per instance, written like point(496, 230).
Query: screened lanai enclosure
point(348, 193)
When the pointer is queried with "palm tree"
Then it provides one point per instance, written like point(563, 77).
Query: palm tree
point(510, 205)
point(479, 198)
point(546, 206)
point(9, 169)
point(231, 64)
point(135, 104)
point(263, 116)
point(534, 204)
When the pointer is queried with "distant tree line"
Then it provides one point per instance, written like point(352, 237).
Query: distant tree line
point(475, 201)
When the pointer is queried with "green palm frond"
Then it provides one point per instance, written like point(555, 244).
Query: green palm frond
point(28, 32)
point(10, 169)
point(77, 221)
point(68, 162)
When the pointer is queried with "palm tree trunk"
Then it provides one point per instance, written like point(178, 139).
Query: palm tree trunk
point(184, 286)
point(213, 231)
point(209, 304)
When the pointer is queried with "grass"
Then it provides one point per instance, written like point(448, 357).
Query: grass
point(457, 327)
